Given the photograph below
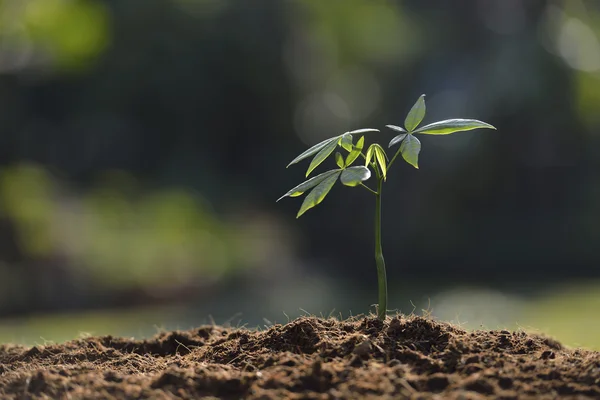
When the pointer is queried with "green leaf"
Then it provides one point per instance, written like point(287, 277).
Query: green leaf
point(369, 154)
point(356, 150)
point(313, 150)
point(381, 157)
point(346, 141)
point(318, 193)
point(415, 115)
point(410, 148)
point(452, 125)
point(397, 139)
point(319, 146)
point(322, 155)
point(309, 184)
point(339, 160)
point(396, 128)
point(360, 144)
point(354, 175)
point(363, 131)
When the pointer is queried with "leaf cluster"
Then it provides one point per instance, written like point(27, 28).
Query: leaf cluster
point(375, 157)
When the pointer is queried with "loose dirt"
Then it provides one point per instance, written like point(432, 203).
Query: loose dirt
point(308, 358)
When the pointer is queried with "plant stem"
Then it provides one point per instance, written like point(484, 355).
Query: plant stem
point(394, 158)
point(381, 276)
point(368, 188)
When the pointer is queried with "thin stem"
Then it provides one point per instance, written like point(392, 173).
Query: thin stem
point(368, 188)
point(381, 276)
point(393, 158)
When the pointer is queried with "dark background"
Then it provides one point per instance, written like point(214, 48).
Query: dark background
point(143, 145)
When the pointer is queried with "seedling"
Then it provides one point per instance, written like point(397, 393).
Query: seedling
point(375, 159)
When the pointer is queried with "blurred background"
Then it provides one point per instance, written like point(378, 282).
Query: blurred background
point(143, 145)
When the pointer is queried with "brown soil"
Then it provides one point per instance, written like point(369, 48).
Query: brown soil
point(308, 358)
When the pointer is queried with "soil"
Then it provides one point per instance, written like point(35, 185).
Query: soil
point(308, 358)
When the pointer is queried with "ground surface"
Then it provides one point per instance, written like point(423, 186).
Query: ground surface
point(308, 358)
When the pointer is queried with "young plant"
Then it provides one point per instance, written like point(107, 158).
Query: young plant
point(375, 159)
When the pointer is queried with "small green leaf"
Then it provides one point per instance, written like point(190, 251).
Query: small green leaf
point(346, 141)
point(318, 193)
point(322, 155)
point(360, 144)
point(452, 125)
point(369, 154)
point(410, 148)
point(353, 155)
point(396, 128)
point(339, 160)
point(381, 157)
point(397, 139)
point(313, 150)
point(415, 115)
point(354, 175)
point(376, 151)
point(309, 184)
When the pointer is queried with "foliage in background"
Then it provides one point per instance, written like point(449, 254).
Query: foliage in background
point(63, 34)
point(117, 236)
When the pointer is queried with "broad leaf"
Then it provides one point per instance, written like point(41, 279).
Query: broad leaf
point(309, 184)
point(346, 141)
point(354, 175)
point(318, 193)
point(339, 160)
point(415, 115)
point(355, 153)
point(313, 150)
point(397, 139)
point(396, 128)
point(322, 155)
point(452, 125)
point(381, 158)
point(410, 148)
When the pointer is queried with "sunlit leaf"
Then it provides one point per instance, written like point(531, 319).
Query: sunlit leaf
point(415, 115)
point(452, 125)
point(381, 158)
point(339, 160)
point(313, 150)
point(309, 184)
point(318, 193)
point(363, 131)
point(319, 146)
point(355, 153)
point(360, 144)
point(410, 148)
point(354, 175)
point(321, 156)
point(397, 139)
point(396, 128)
point(369, 154)
point(346, 141)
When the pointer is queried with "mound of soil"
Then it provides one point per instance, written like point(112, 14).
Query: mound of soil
point(308, 358)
